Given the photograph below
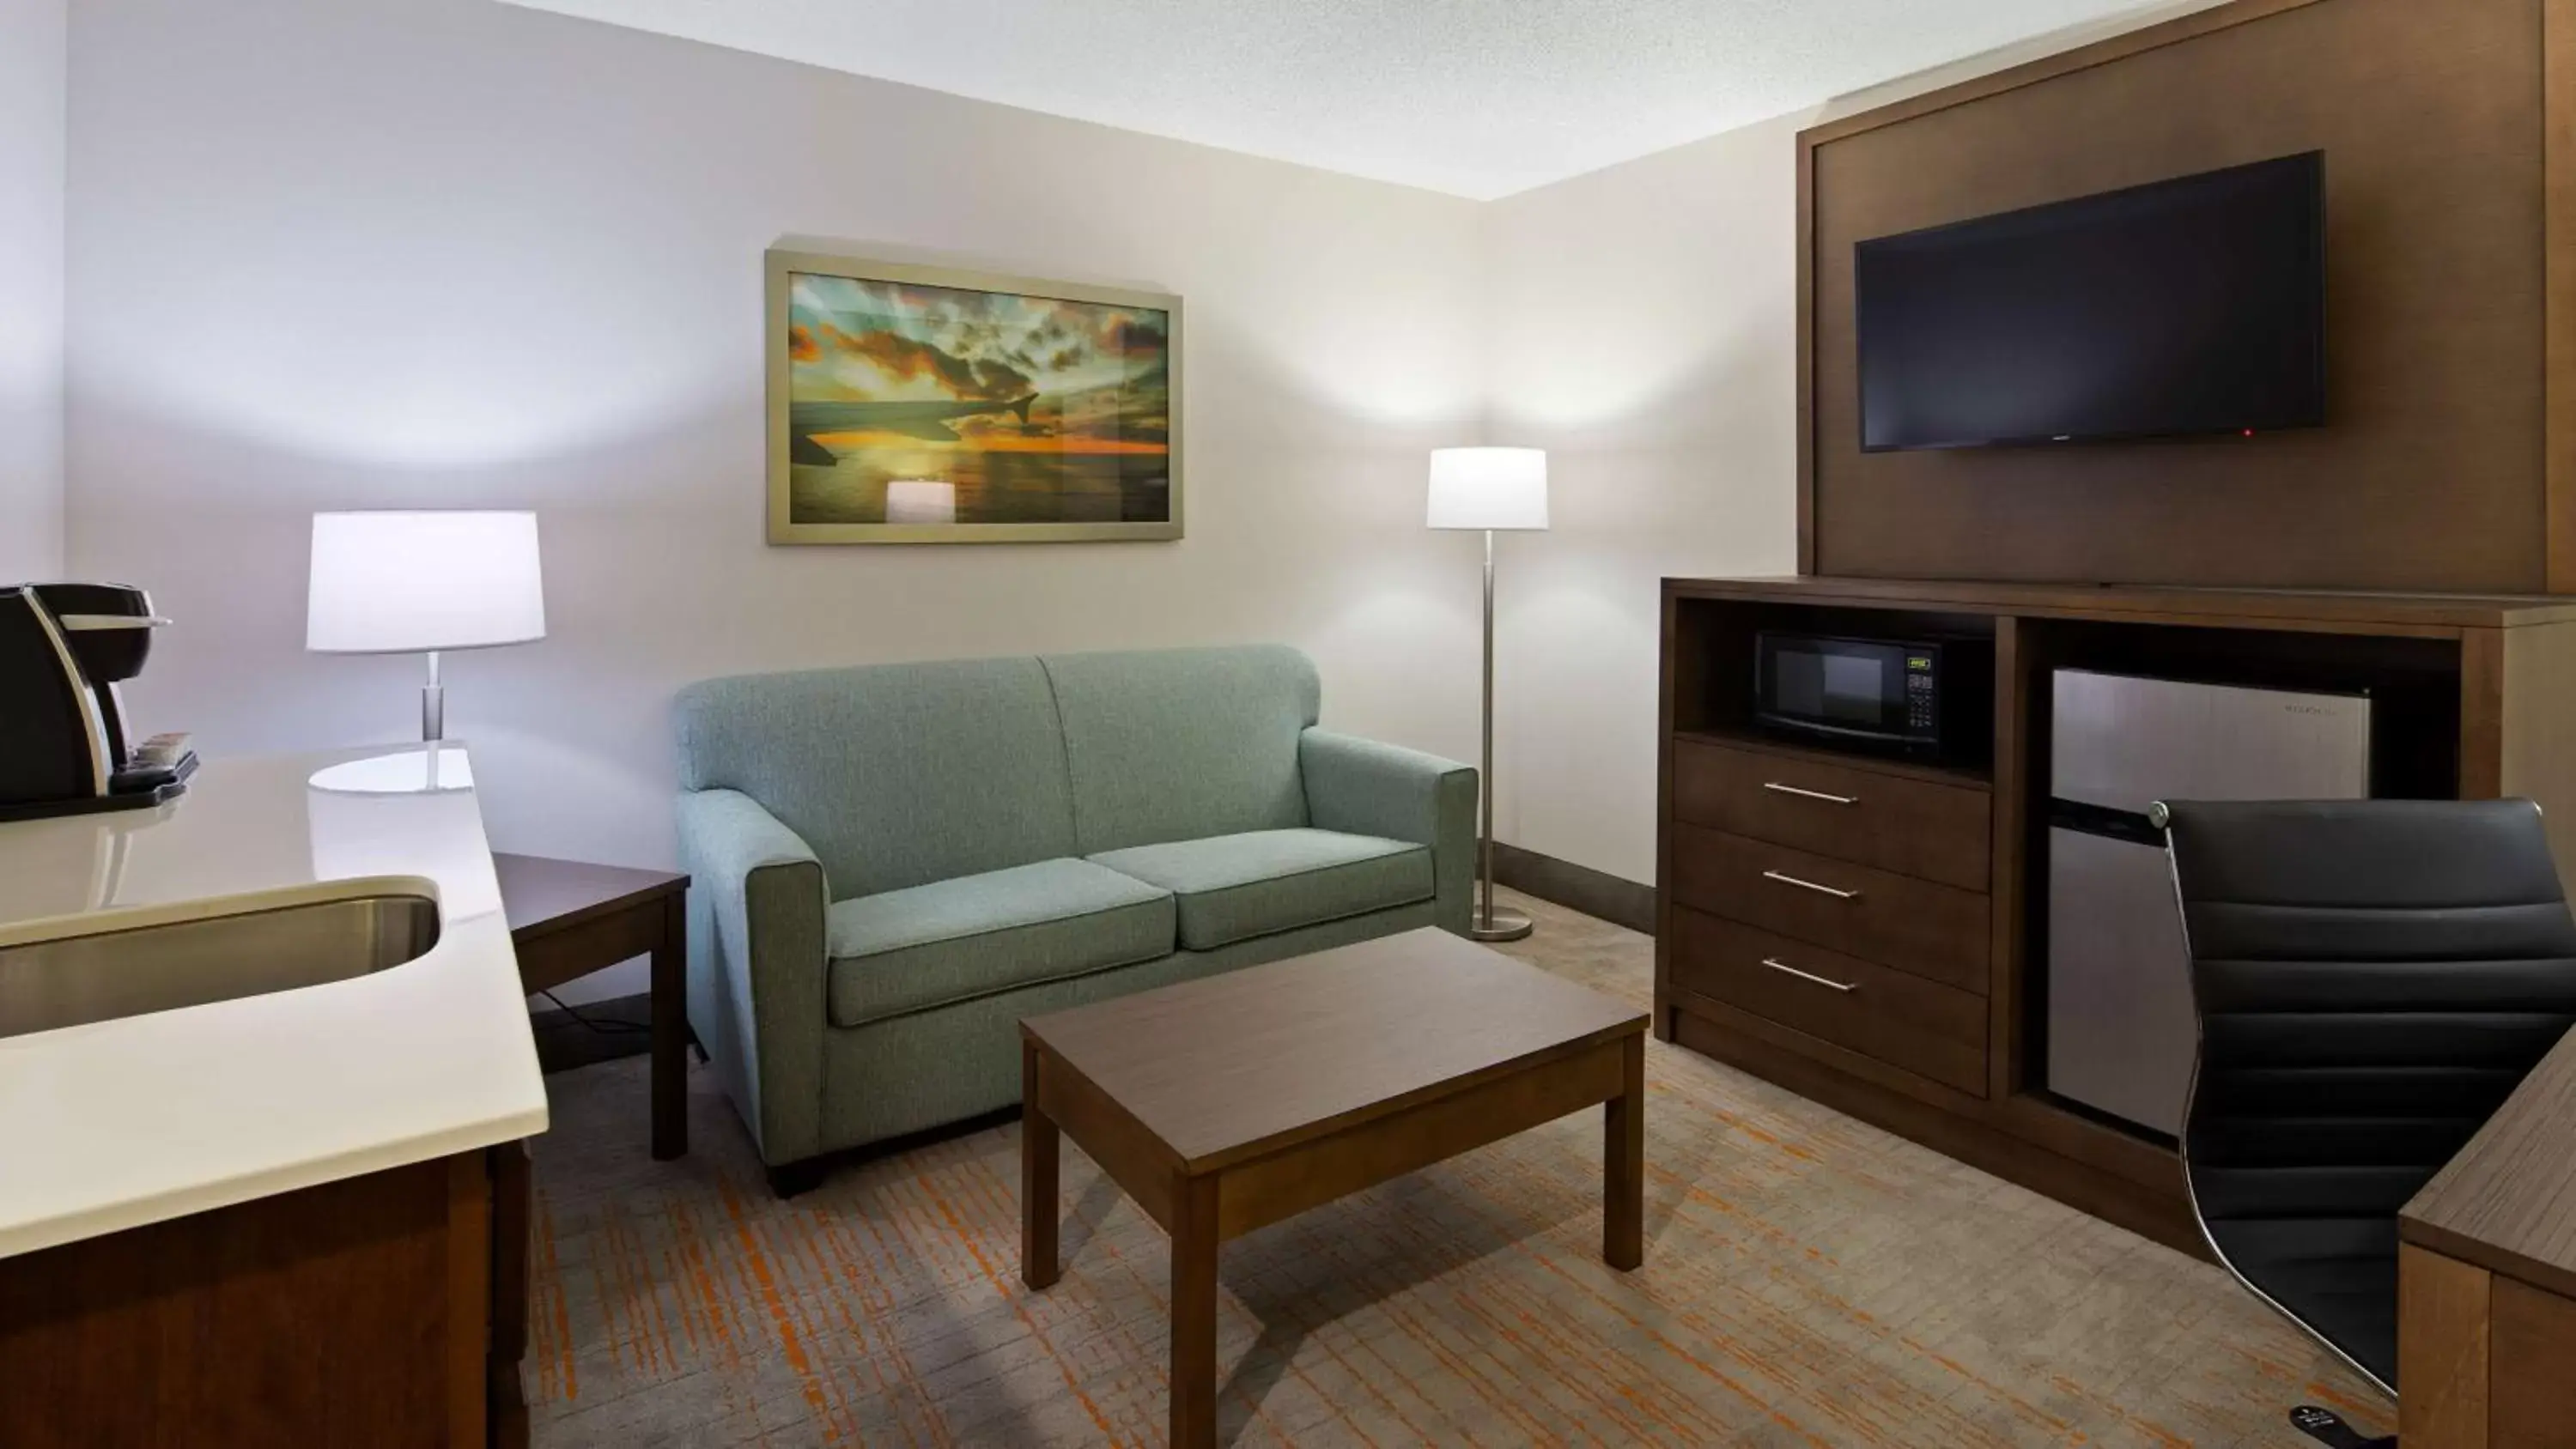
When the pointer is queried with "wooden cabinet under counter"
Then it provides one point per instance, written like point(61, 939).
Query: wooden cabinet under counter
point(1847, 810)
point(386, 1310)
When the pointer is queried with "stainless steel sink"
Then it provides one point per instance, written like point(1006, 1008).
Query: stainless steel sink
point(74, 980)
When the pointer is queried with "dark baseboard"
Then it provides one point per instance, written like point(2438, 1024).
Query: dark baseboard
point(1576, 887)
point(594, 1031)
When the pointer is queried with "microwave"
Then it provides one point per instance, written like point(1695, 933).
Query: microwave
point(1929, 697)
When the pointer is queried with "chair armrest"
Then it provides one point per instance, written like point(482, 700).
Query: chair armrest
point(1367, 788)
point(757, 986)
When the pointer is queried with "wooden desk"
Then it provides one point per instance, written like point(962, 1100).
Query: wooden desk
point(568, 919)
point(1228, 1103)
point(2486, 1294)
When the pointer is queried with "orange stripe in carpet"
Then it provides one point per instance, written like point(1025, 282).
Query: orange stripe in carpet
point(838, 1416)
point(2014, 1401)
point(1505, 1290)
point(1019, 1307)
point(562, 1313)
point(1855, 1315)
point(758, 1263)
point(1319, 1331)
point(1386, 1303)
point(1626, 1411)
point(848, 1271)
point(2152, 1430)
point(612, 1265)
point(714, 1304)
point(1007, 1198)
point(665, 1342)
point(1711, 1371)
point(2346, 1402)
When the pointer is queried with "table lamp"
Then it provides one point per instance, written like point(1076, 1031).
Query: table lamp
point(424, 583)
point(1489, 489)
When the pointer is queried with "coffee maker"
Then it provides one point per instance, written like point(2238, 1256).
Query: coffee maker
point(64, 750)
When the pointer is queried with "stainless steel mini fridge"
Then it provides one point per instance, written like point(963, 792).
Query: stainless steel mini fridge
point(2120, 1024)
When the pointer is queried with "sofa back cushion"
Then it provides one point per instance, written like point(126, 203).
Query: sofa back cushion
point(896, 774)
point(1178, 744)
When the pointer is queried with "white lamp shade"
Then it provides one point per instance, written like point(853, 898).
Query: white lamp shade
point(1488, 488)
point(409, 583)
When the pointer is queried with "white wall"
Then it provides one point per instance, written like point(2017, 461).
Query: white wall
point(1646, 336)
point(31, 288)
point(1644, 330)
point(361, 253)
point(356, 253)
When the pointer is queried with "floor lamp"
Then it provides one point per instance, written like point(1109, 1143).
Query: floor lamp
point(1489, 489)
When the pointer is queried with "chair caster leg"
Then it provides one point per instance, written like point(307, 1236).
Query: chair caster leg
point(795, 1179)
point(2328, 1428)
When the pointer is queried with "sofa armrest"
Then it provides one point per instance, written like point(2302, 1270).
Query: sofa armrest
point(1367, 788)
point(757, 985)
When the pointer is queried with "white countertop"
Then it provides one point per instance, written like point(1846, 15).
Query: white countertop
point(119, 1123)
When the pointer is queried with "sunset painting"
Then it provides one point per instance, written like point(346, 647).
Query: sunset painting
point(912, 406)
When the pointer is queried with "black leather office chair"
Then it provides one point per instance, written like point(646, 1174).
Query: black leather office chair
point(2373, 978)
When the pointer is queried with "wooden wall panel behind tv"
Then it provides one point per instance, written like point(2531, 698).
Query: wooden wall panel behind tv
point(2433, 472)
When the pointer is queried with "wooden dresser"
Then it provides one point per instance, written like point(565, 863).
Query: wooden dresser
point(1847, 901)
point(1865, 930)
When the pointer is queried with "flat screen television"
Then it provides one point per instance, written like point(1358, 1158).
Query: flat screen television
point(2195, 305)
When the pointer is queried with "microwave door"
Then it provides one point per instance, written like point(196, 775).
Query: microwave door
point(1837, 687)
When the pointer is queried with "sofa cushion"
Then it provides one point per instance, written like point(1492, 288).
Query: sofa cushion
point(1234, 887)
point(896, 774)
point(954, 940)
point(1182, 744)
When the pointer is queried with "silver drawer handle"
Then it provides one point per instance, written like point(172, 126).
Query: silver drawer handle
point(1810, 976)
point(1778, 788)
point(1808, 885)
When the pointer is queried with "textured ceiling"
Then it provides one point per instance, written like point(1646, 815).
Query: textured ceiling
point(1477, 97)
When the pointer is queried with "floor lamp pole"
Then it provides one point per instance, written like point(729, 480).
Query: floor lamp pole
point(1490, 924)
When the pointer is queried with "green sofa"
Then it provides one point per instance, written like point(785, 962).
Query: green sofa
point(892, 864)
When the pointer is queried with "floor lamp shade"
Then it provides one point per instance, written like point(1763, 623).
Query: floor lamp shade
point(1488, 488)
point(413, 583)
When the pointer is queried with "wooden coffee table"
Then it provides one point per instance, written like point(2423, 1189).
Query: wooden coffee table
point(1227, 1104)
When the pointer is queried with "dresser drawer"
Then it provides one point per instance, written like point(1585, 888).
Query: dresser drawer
point(1896, 920)
point(1903, 1020)
point(1913, 827)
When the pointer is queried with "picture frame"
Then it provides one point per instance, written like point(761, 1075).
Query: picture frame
point(925, 404)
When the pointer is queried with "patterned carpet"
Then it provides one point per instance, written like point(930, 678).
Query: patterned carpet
point(1809, 1281)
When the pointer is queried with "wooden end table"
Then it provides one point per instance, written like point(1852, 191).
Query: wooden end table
point(568, 919)
point(1229, 1103)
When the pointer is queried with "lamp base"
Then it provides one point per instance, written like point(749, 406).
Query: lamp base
point(1506, 926)
point(429, 771)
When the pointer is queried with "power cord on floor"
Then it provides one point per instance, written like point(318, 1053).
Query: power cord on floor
point(605, 1028)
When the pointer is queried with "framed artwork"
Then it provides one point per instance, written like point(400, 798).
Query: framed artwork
point(914, 404)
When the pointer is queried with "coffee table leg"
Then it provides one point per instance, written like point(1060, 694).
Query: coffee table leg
point(671, 1034)
point(1039, 1142)
point(1623, 1163)
point(1194, 1245)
